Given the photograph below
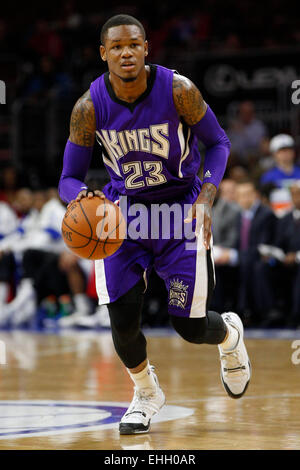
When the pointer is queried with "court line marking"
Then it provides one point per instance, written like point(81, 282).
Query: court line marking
point(116, 409)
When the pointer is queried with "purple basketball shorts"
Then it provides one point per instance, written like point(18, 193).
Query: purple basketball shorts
point(157, 238)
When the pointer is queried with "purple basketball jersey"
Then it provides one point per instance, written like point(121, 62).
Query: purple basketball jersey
point(148, 151)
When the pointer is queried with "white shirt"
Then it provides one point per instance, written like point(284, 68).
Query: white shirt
point(38, 230)
point(8, 220)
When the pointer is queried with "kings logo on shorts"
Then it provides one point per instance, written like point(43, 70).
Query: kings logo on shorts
point(178, 293)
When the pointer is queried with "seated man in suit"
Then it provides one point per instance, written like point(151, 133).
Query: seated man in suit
point(225, 213)
point(256, 225)
point(288, 240)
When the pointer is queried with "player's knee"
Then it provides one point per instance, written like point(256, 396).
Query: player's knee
point(125, 333)
point(125, 314)
point(125, 324)
point(192, 330)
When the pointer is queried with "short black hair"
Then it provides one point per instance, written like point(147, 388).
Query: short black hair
point(119, 20)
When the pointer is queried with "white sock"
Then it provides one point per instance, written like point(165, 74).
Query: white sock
point(3, 292)
point(81, 303)
point(144, 379)
point(232, 339)
point(25, 313)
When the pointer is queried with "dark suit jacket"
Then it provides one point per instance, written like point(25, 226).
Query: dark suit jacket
point(225, 223)
point(288, 234)
point(262, 231)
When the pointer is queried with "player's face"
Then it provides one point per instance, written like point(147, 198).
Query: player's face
point(125, 51)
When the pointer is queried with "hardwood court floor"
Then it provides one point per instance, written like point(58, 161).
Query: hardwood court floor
point(83, 367)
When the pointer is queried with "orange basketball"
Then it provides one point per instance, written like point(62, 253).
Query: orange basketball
point(93, 228)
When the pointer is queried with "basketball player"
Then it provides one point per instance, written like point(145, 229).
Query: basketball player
point(148, 120)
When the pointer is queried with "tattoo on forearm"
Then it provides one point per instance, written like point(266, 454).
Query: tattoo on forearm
point(83, 121)
point(188, 100)
point(208, 193)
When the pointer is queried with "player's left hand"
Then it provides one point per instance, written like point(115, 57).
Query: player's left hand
point(201, 211)
point(87, 193)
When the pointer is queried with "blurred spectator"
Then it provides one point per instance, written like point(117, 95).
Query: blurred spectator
point(46, 42)
point(238, 173)
point(265, 191)
point(8, 224)
point(8, 220)
point(265, 156)
point(47, 82)
point(23, 204)
point(37, 228)
point(261, 161)
point(282, 147)
point(256, 225)
point(70, 18)
point(8, 183)
point(246, 132)
point(28, 218)
point(46, 273)
point(48, 268)
point(225, 213)
point(225, 234)
point(77, 272)
point(231, 43)
point(288, 269)
point(283, 173)
point(182, 31)
point(9, 243)
point(203, 23)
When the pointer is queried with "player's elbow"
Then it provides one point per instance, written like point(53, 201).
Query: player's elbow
point(223, 141)
point(226, 142)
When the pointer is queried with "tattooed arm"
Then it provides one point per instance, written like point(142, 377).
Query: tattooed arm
point(188, 100)
point(78, 152)
point(192, 109)
point(83, 121)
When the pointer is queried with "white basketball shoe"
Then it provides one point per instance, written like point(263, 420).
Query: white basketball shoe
point(235, 364)
point(137, 418)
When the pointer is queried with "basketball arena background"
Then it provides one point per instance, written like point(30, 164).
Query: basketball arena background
point(243, 56)
point(62, 385)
